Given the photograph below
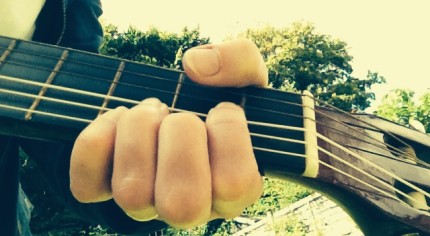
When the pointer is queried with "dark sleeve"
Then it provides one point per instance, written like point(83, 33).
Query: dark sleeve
point(53, 159)
point(80, 30)
point(70, 23)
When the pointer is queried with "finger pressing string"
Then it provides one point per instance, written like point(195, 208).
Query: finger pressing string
point(91, 159)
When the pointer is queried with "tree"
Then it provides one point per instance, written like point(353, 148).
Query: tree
point(152, 47)
point(300, 59)
point(399, 106)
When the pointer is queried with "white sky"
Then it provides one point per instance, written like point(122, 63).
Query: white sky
point(391, 37)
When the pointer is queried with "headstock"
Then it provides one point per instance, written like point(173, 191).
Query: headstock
point(382, 163)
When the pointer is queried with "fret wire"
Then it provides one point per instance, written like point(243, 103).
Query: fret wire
point(178, 89)
point(7, 52)
point(112, 86)
point(43, 90)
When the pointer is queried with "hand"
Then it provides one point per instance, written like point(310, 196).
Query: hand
point(175, 167)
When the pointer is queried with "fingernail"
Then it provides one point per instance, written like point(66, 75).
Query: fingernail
point(155, 103)
point(202, 61)
point(151, 102)
point(113, 115)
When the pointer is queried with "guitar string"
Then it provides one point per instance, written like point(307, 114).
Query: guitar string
point(367, 123)
point(404, 154)
point(106, 109)
point(130, 101)
point(69, 90)
point(378, 189)
point(371, 176)
point(399, 155)
point(124, 71)
point(394, 176)
point(158, 90)
point(273, 151)
point(255, 123)
point(154, 77)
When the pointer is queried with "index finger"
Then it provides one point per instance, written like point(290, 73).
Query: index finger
point(236, 63)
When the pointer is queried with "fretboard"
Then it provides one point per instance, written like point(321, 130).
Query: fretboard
point(47, 86)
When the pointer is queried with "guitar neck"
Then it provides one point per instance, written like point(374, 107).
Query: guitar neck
point(53, 92)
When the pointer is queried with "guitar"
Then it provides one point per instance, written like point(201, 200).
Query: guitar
point(376, 170)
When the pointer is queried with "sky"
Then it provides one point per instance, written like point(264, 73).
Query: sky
point(391, 37)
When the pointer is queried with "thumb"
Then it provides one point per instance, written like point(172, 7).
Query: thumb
point(236, 63)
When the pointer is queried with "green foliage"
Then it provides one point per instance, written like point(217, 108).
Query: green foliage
point(399, 106)
point(289, 225)
point(300, 59)
point(423, 111)
point(277, 195)
point(152, 47)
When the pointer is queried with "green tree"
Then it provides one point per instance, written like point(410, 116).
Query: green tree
point(399, 106)
point(300, 59)
point(152, 47)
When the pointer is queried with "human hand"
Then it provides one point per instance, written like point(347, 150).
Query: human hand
point(175, 167)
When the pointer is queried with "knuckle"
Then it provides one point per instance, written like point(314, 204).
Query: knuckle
point(148, 114)
point(90, 138)
point(129, 197)
point(233, 187)
point(183, 120)
point(183, 211)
